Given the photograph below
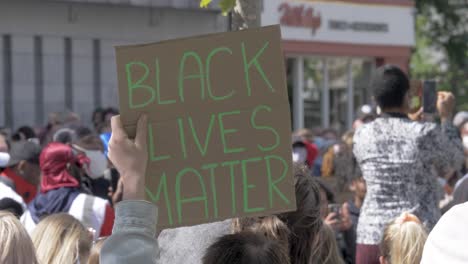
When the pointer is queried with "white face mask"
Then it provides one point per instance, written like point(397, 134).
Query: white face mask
point(4, 159)
point(465, 142)
point(98, 162)
point(299, 154)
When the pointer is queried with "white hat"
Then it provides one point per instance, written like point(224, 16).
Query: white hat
point(448, 241)
point(7, 192)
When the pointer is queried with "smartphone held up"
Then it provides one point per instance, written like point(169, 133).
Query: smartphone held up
point(430, 97)
point(424, 99)
point(335, 208)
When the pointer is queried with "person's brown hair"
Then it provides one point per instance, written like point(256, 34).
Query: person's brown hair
point(61, 239)
point(16, 246)
point(304, 133)
point(305, 222)
point(325, 248)
point(270, 226)
point(348, 137)
point(246, 248)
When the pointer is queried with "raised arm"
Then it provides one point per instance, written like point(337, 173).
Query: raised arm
point(133, 236)
point(444, 144)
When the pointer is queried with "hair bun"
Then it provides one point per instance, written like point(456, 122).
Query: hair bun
point(407, 217)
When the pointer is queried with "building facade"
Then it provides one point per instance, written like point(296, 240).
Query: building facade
point(331, 50)
point(58, 55)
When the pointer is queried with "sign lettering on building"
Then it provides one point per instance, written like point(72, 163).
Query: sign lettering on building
point(341, 22)
point(357, 26)
point(300, 16)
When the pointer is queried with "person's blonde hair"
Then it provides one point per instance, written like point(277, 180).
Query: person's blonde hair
point(348, 138)
point(16, 246)
point(96, 251)
point(403, 240)
point(324, 248)
point(304, 133)
point(61, 239)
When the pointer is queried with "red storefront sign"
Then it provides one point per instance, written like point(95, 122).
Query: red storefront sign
point(300, 16)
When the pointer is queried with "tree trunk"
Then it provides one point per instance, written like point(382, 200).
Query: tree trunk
point(246, 14)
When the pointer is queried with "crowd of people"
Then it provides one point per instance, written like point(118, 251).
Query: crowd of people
point(58, 183)
point(391, 191)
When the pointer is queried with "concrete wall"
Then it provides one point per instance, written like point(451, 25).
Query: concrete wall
point(83, 24)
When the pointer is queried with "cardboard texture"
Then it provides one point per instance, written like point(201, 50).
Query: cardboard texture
point(219, 124)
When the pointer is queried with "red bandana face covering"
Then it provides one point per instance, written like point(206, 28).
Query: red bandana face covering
point(55, 160)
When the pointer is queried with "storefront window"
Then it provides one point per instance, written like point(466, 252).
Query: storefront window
point(338, 84)
point(313, 85)
point(361, 73)
point(345, 81)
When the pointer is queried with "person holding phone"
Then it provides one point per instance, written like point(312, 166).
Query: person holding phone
point(401, 160)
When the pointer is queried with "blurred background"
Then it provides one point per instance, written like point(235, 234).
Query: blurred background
point(58, 56)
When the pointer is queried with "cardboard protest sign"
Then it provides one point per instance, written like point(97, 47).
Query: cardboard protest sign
point(219, 124)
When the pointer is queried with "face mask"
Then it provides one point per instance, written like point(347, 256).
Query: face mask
point(4, 159)
point(336, 149)
point(299, 154)
point(98, 163)
point(35, 141)
point(465, 142)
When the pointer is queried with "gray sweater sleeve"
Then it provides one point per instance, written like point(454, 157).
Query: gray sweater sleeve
point(441, 147)
point(448, 148)
point(133, 236)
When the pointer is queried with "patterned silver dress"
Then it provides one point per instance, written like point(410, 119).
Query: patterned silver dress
point(400, 160)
